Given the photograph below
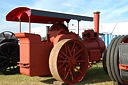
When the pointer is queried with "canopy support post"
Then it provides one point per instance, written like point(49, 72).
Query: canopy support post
point(68, 24)
point(20, 25)
point(29, 25)
point(78, 26)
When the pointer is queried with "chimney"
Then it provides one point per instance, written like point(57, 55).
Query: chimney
point(96, 21)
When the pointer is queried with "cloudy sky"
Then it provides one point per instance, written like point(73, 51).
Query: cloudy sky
point(112, 11)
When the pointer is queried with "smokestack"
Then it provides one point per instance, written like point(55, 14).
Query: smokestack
point(96, 21)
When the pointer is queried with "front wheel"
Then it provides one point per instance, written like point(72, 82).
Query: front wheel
point(9, 56)
point(68, 61)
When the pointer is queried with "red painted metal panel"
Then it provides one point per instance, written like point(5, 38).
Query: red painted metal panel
point(34, 55)
point(94, 55)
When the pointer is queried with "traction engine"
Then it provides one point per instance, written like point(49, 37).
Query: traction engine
point(9, 53)
point(63, 55)
point(116, 60)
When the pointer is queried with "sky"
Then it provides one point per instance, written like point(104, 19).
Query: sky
point(112, 11)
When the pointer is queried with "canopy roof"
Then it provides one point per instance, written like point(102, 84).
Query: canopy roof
point(42, 16)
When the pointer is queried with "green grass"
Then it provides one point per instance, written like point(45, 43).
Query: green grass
point(95, 76)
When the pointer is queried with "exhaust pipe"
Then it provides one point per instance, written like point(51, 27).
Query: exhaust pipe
point(96, 21)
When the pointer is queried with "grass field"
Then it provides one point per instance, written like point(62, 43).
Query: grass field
point(94, 76)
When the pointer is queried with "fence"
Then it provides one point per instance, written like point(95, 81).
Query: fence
point(107, 38)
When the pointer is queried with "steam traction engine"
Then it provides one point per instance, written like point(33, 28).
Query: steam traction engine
point(9, 53)
point(63, 55)
point(116, 60)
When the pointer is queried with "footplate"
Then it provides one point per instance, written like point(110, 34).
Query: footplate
point(24, 65)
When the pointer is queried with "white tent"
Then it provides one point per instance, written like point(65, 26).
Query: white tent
point(114, 28)
point(107, 28)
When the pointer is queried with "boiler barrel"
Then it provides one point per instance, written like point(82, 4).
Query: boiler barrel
point(94, 44)
point(95, 49)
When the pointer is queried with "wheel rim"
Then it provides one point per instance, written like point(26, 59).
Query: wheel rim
point(8, 35)
point(104, 61)
point(70, 61)
point(9, 56)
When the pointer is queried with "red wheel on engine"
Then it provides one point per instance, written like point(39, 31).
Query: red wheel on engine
point(68, 61)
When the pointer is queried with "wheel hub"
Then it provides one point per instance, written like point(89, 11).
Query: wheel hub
point(72, 61)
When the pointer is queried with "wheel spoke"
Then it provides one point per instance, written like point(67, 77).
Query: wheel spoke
point(15, 57)
point(10, 68)
point(3, 57)
point(14, 62)
point(72, 75)
point(77, 64)
point(73, 46)
point(63, 69)
point(78, 70)
point(60, 66)
point(62, 61)
point(78, 52)
point(77, 56)
point(69, 50)
point(64, 54)
point(13, 67)
point(65, 77)
point(73, 54)
point(8, 49)
point(2, 52)
point(5, 67)
point(14, 52)
point(3, 62)
point(66, 49)
point(81, 61)
point(61, 56)
point(73, 70)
